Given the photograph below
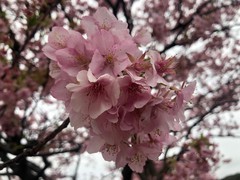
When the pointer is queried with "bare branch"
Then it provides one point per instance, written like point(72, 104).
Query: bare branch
point(201, 118)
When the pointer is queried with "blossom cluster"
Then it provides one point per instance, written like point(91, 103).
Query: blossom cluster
point(199, 158)
point(116, 91)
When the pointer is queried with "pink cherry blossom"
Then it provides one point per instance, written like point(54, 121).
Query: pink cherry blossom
point(142, 37)
point(159, 67)
point(183, 96)
point(103, 19)
point(116, 91)
point(109, 131)
point(57, 39)
point(110, 57)
point(133, 156)
point(92, 96)
point(134, 94)
point(59, 90)
point(109, 151)
point(139, 67)
point(76, 56)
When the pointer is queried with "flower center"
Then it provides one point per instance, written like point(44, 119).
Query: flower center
point(111, 149)
point(105, 25)
point(160, 67)
point(96, 89)
point(134, 88)
point(82, 60)
point(137, 158)
point(109, 59)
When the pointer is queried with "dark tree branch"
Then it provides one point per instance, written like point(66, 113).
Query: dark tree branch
point(72, 150)
point(44, 12)
point(127, 14)
point(165, 166)
point(181, 27)
point(127, 173)
point(38, 147)
point(226, 136)
point(7, 174)
point(115, 7)
point(202, 117)
point(76, 168)
point(41, 172)
point(197, 12)
point(179, 8)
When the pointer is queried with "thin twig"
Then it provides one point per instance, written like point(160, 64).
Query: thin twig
point(45, 154)
point(76, 168)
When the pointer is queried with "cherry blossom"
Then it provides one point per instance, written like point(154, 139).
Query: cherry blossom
point(110, 56)
point(93, 96)
point(154, 77)
point(107, 85)
point(103, 19)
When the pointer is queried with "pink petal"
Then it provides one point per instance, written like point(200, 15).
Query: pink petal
point(97, 64)
point(82, 77)
point(104, 17)
point(95, 144)
point(49, 52)
point(89, 25)
point(113, 91)
point(91, 77)
point(77, 119)
point(137, 162)
point(103, 41)
point(80, 101)
point(55, 71)
point(109, 152)
point(58, 37)
point(142, 37)
point(59, 90)
point(68, 59)
point(75, 40)
point(188, 91)
point(98, 106)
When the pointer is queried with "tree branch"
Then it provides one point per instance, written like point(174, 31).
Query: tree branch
point(38, 147)
point(45, 154)
point(115, 7)
point(201, 118)
point(181, 27)
point(127, 14)
point(127, 173)
point(76, 168)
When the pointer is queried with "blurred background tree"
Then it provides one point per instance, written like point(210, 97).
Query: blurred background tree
point(203, 37)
